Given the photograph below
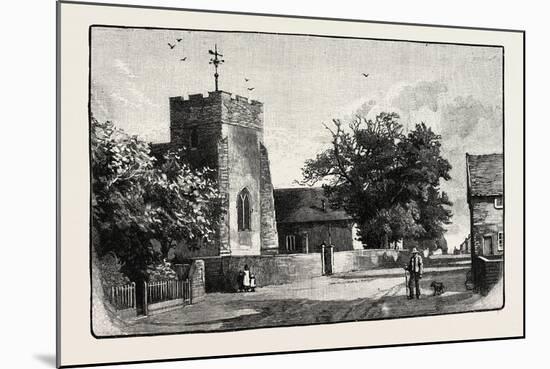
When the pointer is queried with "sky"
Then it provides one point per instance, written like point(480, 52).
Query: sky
point(305, 82)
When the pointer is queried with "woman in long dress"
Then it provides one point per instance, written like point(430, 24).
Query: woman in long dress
point(246, 278)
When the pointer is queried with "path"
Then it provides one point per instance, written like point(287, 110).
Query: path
point(351, 296)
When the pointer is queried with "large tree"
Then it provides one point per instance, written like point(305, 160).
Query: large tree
point(136, 200)
point(388, 181)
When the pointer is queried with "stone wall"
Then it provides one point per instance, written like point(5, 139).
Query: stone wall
point(221, 272)
point(244, 172)
point(223, 185)
point(214, 274)
point(202, 115)
point(194, 111)
point(239, 111)
point(268, 235)
point(348, 261)
point(486, 221)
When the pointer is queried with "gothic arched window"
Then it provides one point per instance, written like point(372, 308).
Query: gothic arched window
point(243, 210)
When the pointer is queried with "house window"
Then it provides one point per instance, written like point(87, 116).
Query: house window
point(500, 241)
point(243, 210)
point(499, 202)
point(290, 243)
point(194, 139)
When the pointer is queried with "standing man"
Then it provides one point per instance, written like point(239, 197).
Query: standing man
point(415, 269)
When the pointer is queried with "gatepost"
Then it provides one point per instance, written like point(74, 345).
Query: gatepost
point(323, 259)
point(327, 259)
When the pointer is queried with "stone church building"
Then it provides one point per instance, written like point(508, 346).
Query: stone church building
point(277, 233)
point(225, 132)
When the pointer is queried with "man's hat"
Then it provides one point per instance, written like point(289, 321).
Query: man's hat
point(414, 250)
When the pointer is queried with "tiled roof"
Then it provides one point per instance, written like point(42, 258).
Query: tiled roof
point(297, 205)
point(485, 174)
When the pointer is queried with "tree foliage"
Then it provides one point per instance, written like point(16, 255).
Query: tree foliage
point(135, 199)
point(387, 180)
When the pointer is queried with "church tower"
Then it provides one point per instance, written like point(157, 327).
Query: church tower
point(225, 133)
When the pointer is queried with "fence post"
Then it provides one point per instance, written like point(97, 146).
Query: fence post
point(190, 292)
point(133, 294)
point(323, 260)
point(145, 312)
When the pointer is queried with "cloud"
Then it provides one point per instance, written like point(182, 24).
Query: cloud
point(140, 97)
point(424, 93)
point(365, 108)
point(124, 68)
point(119, 96)
point(466, 115)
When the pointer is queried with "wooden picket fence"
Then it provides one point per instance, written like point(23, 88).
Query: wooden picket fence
point(123, 297)
point(168, 290)
point(165, 293)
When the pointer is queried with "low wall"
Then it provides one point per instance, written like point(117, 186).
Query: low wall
point(221, 273)
point(348, 261)
point(448, 260)
point(278, 269)
point(486, 273)
point(434, 260)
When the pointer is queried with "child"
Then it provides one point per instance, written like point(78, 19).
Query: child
point(252, 282)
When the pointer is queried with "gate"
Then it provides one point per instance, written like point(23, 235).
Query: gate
point(165, 294)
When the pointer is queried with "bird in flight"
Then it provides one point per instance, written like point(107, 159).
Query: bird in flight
point(251, 88)
point(183, 59)
point(178, 39)
point(171, 46)
point(246, 80)
point(365, 75)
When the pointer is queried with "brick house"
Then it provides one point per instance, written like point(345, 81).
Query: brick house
point(305, 220)
point(485, 194)
point(225, 132)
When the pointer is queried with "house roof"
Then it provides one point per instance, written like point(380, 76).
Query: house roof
point(299, 205)
point(485, 174)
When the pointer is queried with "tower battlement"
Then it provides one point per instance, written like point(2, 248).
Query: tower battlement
point(217, 107)
point(213, 96)
point(224, 132)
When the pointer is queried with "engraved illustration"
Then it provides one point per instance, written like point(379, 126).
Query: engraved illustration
point(246, 180)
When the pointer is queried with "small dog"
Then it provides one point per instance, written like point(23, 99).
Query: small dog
point(439, 288)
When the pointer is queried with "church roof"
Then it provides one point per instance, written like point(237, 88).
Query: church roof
point(485, 174)
point(299, 205)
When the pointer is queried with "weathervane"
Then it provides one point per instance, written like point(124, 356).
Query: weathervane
point(216, 62)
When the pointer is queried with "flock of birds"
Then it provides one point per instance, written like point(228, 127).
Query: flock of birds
point(250, 89)
point(172, 46)
point(178, 40)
